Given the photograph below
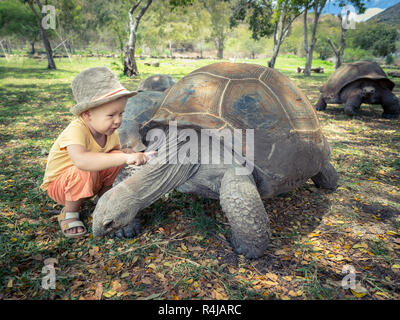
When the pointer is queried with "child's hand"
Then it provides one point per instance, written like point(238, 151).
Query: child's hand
point(138, 158)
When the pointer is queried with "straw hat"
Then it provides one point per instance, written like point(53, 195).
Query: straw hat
point(96, 86)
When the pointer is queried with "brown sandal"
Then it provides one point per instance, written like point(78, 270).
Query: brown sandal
point(69, 225)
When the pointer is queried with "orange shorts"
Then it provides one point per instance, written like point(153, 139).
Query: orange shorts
point(74, 184)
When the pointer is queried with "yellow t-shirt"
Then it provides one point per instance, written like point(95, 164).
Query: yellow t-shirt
point(76, 133)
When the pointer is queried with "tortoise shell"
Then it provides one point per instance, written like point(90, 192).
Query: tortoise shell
point(288, 146)
point(139, 109)
point(351, 72)
point(157, 82)
point(238, 95)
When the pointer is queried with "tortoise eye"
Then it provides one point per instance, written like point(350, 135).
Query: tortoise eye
point(108, 224)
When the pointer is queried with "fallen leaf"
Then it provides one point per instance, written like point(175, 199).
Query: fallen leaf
point(153, 296)
point(272, 276)
point(109, 293)
point(361, 245)
point(269, 284)
point(146, 281)
point(383, 294)
point(294, 293)
point(118, 266)
point(152, 266)
point(115, 285)
point(359, 291)
point(219, 294)
point(311, 235)
point(99, 291)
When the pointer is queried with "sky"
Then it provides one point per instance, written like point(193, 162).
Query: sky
point(372, 7)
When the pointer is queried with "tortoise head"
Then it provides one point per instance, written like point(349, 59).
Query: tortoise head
point(130, 137)
point(114, 210)
point(368, 88)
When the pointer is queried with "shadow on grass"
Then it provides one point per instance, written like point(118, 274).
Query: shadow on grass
point(32, 73)
point(25, 100)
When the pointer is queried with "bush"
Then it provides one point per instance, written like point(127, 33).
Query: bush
point(356, 54)
point(389, 59)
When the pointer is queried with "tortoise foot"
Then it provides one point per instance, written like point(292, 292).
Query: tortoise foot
point(130, 231)
point(249, 250)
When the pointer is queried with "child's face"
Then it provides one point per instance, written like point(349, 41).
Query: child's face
point(106, 118)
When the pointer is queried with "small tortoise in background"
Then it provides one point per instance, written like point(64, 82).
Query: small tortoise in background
point(289, 148)
point(360, 82)
point(156, 82)
point(140, 108)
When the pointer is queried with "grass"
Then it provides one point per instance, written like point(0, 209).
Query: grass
point(183, 251)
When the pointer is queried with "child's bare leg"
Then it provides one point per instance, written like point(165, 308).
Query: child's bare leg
point(73, 206)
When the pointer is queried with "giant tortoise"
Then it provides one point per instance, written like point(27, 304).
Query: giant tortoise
point(280, 140)
point(156, 82)
point(357, 83)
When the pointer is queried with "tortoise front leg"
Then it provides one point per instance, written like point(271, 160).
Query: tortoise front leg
point(132, 229)
point(245, 211)
point(327, 178)
point(321, 104)
point(390, 105)
point(352, 102)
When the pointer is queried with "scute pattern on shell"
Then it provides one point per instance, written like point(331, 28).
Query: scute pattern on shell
point(242, 96)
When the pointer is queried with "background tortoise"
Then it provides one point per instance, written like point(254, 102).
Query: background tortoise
point(357, 83)
point(156, 82)
point(289, 148)
point(140, 108)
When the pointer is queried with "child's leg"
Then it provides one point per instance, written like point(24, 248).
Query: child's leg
point(70, 189)
point(107, 177)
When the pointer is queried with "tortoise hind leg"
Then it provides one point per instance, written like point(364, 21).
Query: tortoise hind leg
point(390, 105)
point(327, 178)
point(242, 204)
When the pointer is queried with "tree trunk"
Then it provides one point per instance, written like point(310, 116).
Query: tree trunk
point(201, 49)
point(170, 48)
point(305, 31)
point(220, 47)
point(8, 48)
point(49, 52)
point(339, 60)
point(130, 67)
point(281, 31)
point(310, 49)
point(279, 36)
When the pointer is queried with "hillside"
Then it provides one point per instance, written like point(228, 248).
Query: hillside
point(390, 16)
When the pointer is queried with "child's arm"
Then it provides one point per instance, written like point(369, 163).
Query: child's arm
point(96, 161)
